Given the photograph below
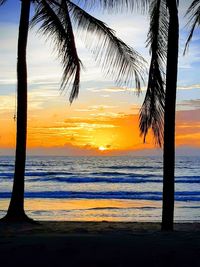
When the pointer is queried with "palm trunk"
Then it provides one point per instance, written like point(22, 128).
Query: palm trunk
point(16, 207)
point(169, 119)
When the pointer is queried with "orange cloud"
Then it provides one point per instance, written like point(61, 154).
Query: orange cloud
point(112, 133)
point(98, 133)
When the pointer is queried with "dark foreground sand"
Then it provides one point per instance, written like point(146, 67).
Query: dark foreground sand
point(91, 244)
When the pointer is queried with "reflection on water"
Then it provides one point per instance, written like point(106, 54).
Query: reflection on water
point(88, 209)
point(100, 210)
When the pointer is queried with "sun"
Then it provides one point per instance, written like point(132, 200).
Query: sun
point(102, 148)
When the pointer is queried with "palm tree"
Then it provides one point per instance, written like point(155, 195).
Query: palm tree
point(170, 117)
point(55, 19)
point(16, 207)
point(159, 107)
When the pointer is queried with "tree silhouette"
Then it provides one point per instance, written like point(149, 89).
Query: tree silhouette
point(55, 19)
point(169, 117)
point(159, 107)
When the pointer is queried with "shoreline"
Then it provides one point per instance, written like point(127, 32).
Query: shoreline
point(95, 244)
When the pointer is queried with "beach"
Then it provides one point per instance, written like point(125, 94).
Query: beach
point(97, 211)
point(99, 244)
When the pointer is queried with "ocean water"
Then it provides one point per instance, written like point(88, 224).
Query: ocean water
point(102, 188)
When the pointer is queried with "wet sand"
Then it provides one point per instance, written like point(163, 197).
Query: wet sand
point(91, 244)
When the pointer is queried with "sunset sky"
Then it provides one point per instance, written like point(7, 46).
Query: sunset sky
point(104, 119)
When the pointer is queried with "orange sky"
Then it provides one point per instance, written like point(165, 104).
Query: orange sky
point(100, 129)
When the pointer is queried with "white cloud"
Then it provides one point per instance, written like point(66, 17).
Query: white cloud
point(189, 87)
point(115, 89)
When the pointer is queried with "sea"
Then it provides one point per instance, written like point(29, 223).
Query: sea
point(102, 188)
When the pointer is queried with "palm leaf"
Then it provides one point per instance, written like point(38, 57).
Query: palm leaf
point(49, 15)
point(2, 2)
point(194, 20)
point(152, 110)
point(116, 58)
point(116, 5)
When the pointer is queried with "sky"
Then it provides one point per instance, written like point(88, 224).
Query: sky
point(104, 118)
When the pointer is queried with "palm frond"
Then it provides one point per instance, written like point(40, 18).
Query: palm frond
point(2, 2)
point(152, 110)
point(117, 6)
point(194, 20)
point(56, 24)
point(115, 57)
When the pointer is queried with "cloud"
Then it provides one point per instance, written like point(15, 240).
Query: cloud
point(82, 125)
point(191, 116)
point(115, 89)
point(7, 103)
point(191, 104)
point(143, 89)
point(189, 87)
point(107, 115)
point(192, 57)
point(106, 96)
point(96, 108)
point(188, 128)
point(66, 150)
point(135, 108)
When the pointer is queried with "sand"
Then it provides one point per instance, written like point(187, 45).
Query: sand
point(91, 244)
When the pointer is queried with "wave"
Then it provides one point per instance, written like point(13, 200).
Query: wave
point(6, 175)
point(124, 174)
point(131, 167)
point(156, 196)
point(127, 180)
point(47, 173)
point(67, 177)
point(36, 174)
point(88, 195)
point(7, 165)
point(98, 174)
point(107, 208)
point(132, 179)
point(190, 207)
point(189, 181)
point(95, 180)
point(122, 208)
point(188, 177)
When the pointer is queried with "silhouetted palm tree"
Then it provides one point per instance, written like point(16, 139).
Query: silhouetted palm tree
point(159, 107)
point(170, 117)
point(55, 19)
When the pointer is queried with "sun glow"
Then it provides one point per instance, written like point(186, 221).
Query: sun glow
point(102, 148)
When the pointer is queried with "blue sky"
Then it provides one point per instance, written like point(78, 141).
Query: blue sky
point(132, 28)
